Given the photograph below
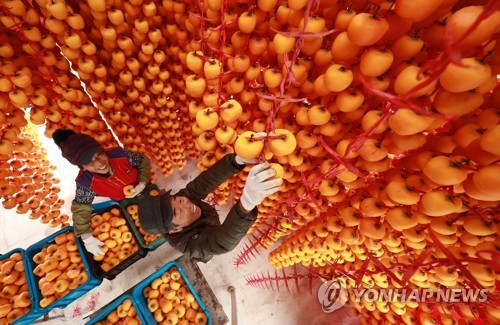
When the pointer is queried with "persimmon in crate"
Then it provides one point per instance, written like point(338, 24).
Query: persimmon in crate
point(60, 268)
point(124, 313)
point(15, 298)
point(111, 228)
point(170, 300)
point(133, 212)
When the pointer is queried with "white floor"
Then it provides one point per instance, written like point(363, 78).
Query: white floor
point(255, 306)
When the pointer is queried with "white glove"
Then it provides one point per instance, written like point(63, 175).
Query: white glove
point(243, 161)
point(92, 244)
point(137, 190)
point(258, 187)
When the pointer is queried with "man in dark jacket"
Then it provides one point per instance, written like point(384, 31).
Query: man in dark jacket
point(192, 226)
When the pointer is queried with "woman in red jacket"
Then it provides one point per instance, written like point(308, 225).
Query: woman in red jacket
point(102, 173)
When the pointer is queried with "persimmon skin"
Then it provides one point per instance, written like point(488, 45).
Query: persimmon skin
point(338, 78)
point(467, 133)
point(489, 140)
point(343, 19)
point(407, 122)
point(398, 26)
point(247, 22)
point(408, 78)
point(247, 148)
point(480, 156)
point(375, 62)
point(343, 49)
point(372, 151)
point(400, 192)
point(464, 78)
point(401, 219)
point(457, 104)
point(471, 190)
point(439, 203)
point(487, 180)
point(372, 228)
point(416, 10)
point(283, 44)
point(349, 100)
point(406, 47)
point(444, 171)
point(365, 29)
point(460, 21)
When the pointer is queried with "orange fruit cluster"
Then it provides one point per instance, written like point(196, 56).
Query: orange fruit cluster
point(111, 228)
point(125, 314)
point(171, 302)
point(60, 268)
point(27, 181)
point(14, 295)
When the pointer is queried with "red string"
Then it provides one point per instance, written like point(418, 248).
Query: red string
point(452, 257)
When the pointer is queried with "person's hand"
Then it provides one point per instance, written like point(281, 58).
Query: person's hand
point(242, 161)
point(258, 186)
point(137, 190)
point(92, 244)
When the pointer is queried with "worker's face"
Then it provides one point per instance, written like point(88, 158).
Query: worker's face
point(99, 163)
point(185, 212)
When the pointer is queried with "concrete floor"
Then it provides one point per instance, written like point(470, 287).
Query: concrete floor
point(255, 306)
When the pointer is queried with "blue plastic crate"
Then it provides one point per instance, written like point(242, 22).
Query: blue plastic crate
point(103, 205)
point(34, 313)
point(91, 283)
point(112, 306)
point(139, 288)
point(95, 266)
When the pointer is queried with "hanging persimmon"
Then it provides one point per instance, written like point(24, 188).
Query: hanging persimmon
point(365, 29)
point(409, 78)
point(458, 24)
point(416, 10)
point(248, 145)
point(375, 62)
point(247, 21)
point(471, 74)
point(337, 78)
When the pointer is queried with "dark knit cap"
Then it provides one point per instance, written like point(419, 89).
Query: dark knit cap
point(77, 148)
point(155, 213)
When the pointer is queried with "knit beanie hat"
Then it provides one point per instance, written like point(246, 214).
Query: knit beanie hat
point(77, 148)
point(155, 213)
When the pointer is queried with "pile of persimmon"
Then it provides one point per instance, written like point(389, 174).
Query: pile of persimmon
point(171, 302)
point(116, 77)
point(111, 228)
point(59, 268)
point(14, 294)
point(125, 313)
point(133, 212)
point(28, 183)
